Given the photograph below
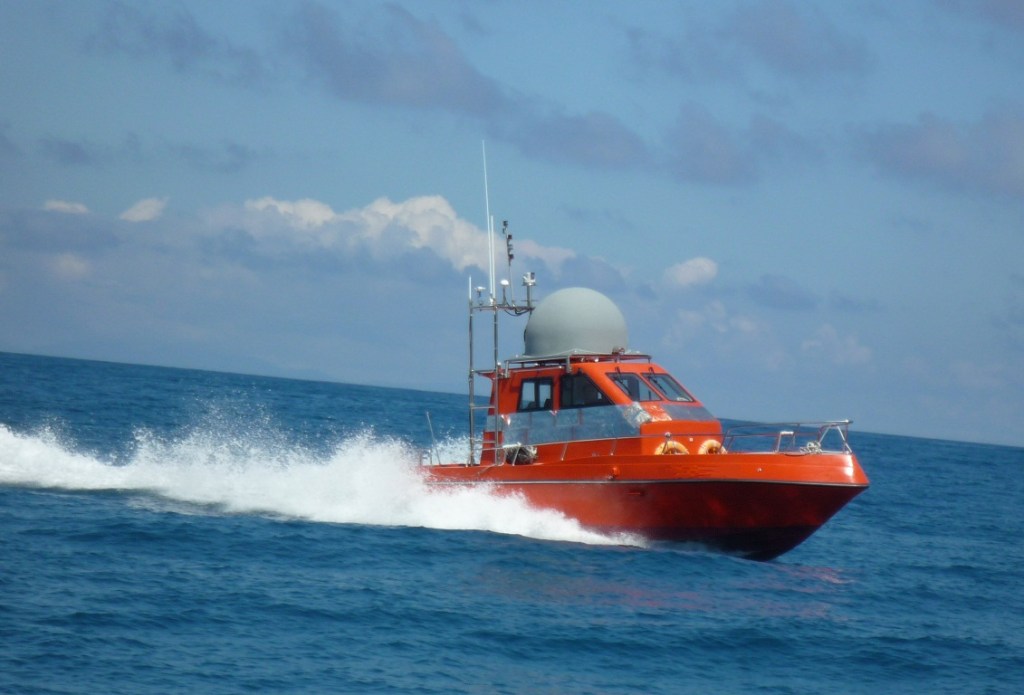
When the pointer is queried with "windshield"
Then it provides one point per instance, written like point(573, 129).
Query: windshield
point(636, 388)
point(670, 387)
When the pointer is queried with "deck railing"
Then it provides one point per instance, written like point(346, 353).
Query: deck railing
point(795, 438)
point(789, 438)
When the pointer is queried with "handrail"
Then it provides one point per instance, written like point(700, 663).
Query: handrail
point(794, 438)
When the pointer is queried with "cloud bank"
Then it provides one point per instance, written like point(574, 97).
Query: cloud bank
point(986, 155)
point(388, 56)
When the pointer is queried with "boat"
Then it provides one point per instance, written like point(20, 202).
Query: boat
point(581, 424)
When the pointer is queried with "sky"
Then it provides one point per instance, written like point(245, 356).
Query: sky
point(805, 210)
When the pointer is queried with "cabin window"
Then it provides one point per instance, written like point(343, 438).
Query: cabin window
point(579, 391)
point(535, 394)
point(636, 388)
point(670, 387)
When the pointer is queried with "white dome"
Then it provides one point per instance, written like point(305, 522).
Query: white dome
point(575, 319)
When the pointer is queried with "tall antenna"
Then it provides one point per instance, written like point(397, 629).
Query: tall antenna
point(490, 225)
point(508, 305)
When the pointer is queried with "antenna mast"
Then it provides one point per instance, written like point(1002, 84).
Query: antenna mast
point(490, 303)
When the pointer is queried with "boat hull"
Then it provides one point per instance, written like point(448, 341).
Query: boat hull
point(755, 505)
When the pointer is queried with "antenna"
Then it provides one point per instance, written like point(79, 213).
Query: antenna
point(490, 224)
point(433, 440)
point(509, 255)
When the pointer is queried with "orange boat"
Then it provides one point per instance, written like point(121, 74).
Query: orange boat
point(582, 425)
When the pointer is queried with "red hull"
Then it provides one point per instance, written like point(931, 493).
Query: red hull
point(755, 505)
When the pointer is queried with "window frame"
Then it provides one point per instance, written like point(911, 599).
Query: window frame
point(537, 384)
point(570, 383)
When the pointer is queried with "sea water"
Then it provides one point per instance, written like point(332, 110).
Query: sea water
point(166, 530)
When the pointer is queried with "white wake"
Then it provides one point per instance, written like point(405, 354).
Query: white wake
point(364, 480)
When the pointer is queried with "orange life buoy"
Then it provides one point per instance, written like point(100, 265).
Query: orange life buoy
point(670, 446)
point(711, 446)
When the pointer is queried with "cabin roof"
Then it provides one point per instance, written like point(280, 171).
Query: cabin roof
point(575, 357)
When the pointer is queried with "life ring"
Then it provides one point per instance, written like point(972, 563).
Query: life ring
point(711, 446)
point(670, 446)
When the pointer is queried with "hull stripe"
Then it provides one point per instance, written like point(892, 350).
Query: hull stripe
point(618, 481)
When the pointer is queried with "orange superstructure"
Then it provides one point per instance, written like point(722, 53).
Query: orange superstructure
point(582, 425)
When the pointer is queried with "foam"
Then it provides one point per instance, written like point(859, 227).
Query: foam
point(364, 479)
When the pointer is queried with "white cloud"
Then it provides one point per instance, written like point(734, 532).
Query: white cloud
point(384, 228)
point(68, 266)
point(305, 213)
point(145, 210)
point(714, 317)
point(721, 336)
point(696, 271)
point(836, 348)
point(65, 206)
point(552, 256)
point(433, 224)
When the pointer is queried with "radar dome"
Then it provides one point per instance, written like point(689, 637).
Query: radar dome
point(575, 320)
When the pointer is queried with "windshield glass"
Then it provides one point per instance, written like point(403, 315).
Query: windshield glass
point(636, 388)
point(670, 387)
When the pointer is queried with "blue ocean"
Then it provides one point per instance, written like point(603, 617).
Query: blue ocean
point(166, 530)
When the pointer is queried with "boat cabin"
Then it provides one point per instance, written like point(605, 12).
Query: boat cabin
point(578, 392)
